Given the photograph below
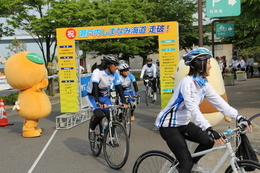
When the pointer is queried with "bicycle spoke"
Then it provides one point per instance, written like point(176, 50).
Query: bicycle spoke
point(155, 162)
point(96, 145)
point(116, 146)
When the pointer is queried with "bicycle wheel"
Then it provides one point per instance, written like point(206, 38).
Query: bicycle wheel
point(127, 120)
point(155, 161)
point(246, 166)
point(151, 95)
point(96, 146)
point(146, 96)
point(116, 146)
point(254, 137)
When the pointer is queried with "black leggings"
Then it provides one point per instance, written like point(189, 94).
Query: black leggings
point(153, 83)
point(97, 117)
point(175, 139)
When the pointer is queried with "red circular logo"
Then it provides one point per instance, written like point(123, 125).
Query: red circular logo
point(71, 33)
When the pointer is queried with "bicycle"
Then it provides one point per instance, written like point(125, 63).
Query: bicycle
point(126, 113)
point(112, 136)
point(158, 161)
point(148, 91)
point(254, 137)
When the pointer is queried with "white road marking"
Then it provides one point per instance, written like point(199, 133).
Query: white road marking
point(43, 150)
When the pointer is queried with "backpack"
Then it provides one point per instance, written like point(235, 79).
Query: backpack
point(245, 151)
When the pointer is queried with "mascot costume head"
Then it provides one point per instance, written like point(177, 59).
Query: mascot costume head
point(26, 72)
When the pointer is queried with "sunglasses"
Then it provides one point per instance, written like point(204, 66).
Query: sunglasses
point(116, 64)
point(124, 70)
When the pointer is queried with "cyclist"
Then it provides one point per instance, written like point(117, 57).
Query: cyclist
point(174, 121)
point(158, 73)
point(126, 80)
point(149, 70)
point(100, 83)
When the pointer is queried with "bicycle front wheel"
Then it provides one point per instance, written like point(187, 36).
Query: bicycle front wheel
point(116, 146)
point(127, 120)
point(154, 162)
point(254, 137)
point(146, 96)
point(245, 166)
point(96, 145)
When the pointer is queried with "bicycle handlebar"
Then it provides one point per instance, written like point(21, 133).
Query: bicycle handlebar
point(239, 129)
point(115, 106)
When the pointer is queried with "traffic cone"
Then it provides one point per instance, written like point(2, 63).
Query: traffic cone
point(3, 117)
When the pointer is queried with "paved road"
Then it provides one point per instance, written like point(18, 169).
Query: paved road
point(68, 150)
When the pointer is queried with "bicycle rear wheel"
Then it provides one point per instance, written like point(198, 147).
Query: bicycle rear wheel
point(96, 145)
point(155, 161)
point(246, 166)
point(127, 120)
point(116, 146)
point(254, 137)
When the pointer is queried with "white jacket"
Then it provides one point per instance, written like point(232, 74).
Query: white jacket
point(184, 104)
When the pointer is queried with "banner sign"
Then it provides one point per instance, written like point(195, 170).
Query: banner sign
point(168, 36)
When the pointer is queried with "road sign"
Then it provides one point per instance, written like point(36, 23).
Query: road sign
point(225, 30)
point(222, 8)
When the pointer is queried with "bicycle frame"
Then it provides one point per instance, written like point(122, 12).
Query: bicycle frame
point(110, 122)
point(228, 153)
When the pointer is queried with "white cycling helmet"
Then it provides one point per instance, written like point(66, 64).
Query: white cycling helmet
point(199, 53)
point(123, 66)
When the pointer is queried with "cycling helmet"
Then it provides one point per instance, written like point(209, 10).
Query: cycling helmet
point(149, 59)
point(110, 59)
point(157, 60)
point(123, 66)
point(121, 61)
point(199, 53)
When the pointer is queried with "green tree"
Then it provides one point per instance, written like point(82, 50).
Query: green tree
point(4, 30)
point(117, 12)
point(17, 46)
point(247, 28)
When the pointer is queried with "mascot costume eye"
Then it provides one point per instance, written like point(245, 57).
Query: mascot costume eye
point(26, 72)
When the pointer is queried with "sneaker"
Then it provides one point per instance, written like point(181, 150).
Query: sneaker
point(92, 135)
point(132, 116)
point(197, 168)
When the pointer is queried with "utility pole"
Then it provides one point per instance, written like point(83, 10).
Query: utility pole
point(200, 23)
point(212, 33)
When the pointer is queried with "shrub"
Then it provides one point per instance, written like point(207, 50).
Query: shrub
point(10, 99)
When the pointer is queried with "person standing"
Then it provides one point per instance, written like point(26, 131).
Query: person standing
point(149, 72)
point(250, 65)
point(174, 122)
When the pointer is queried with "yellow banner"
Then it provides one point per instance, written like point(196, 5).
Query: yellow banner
point(168, 36)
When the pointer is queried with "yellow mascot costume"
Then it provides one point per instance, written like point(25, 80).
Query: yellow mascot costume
point(26, 72)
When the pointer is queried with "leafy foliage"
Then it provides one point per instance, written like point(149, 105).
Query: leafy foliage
point(10, 99)
point(40, 19)
point(17, 46)
point(247, 28)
